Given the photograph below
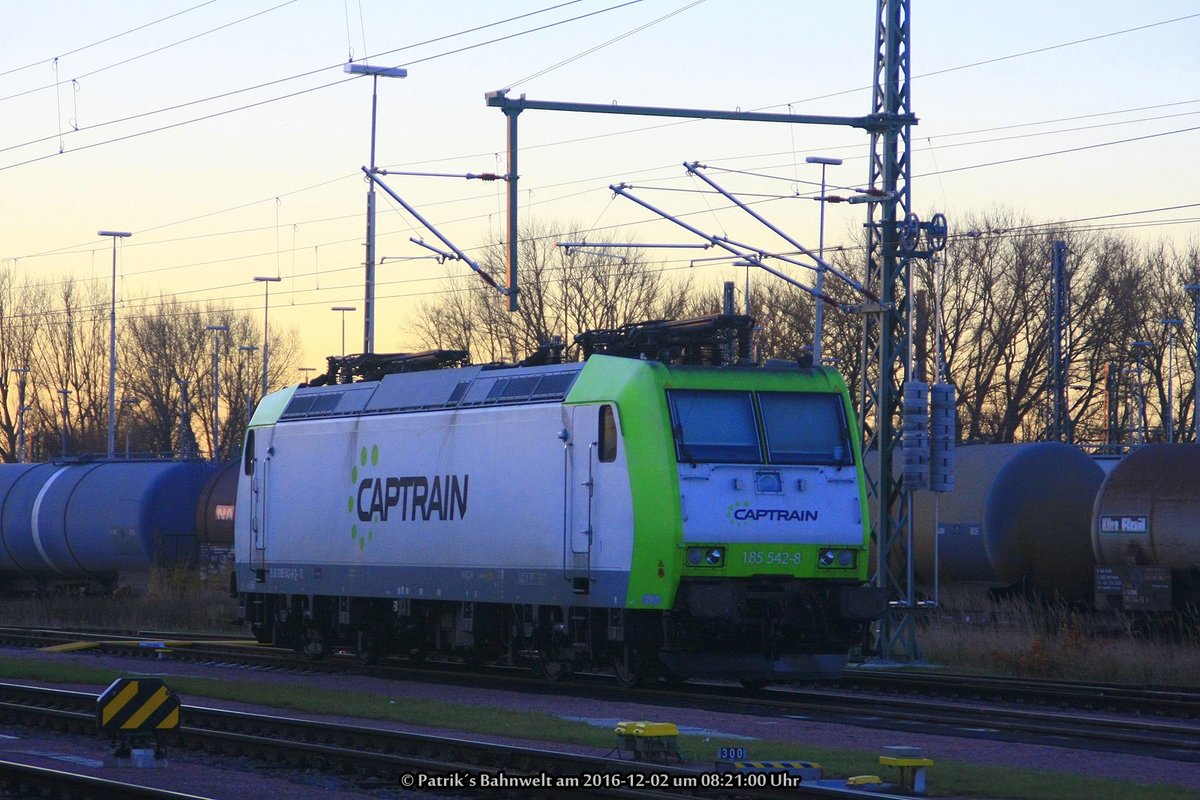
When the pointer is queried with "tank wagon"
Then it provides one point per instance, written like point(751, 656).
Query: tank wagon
point(215, 506)
point(214, 519)
point(1146, 529)
point(1019, 516)
point(651, 509)
point(100, 525)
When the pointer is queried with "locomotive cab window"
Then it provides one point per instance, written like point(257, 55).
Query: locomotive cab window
point(713, 426)
point(805, 428)
point(248, 456)
point(608, 434)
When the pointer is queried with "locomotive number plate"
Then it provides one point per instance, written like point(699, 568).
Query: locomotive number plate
point(780, 558)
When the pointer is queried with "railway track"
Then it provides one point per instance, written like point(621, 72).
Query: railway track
point(1106, 718)
point(23, 780)
point(1122, 698)
point(1027, 692)
point(388, 759)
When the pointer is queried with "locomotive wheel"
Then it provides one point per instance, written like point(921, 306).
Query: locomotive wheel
point(551, 670)
point(311, 644)
point(368, 651)
point(631, 669)
point(672, 678)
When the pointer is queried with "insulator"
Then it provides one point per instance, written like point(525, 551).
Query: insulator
point(914, 435)
point(943, 434)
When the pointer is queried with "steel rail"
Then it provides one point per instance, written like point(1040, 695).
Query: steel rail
point(1166, 701)
point(1179, 742)
point(24, 780)
point(399, 759)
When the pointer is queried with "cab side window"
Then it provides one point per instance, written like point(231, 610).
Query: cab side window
point(608, 434)
point(248, 455)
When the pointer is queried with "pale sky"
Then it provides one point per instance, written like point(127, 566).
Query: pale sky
point(216, 194)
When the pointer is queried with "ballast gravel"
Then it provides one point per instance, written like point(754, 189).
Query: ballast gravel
point(238, 779)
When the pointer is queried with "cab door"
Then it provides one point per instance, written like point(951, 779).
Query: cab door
point(580, 491)
point(258, 471)
point(591, 453)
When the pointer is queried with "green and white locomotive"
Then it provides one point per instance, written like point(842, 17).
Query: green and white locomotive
point(660, 508)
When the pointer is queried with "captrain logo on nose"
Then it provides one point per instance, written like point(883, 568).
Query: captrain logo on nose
point(739, 512)
point(408, 498)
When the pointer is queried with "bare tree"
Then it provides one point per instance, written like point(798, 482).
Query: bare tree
point(240, 374)
point(22, 317)
point(561, 295)
point(71, 354)
point(167, 352)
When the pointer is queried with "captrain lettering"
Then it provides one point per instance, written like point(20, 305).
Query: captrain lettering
point(774, 515)
point(418, 498)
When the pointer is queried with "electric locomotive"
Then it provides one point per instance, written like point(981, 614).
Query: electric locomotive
point(663, 508)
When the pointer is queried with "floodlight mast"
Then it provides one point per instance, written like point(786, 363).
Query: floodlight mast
point(357, 68)
point(112, 343)
point(1060, 350)
point(819, 311)
point(1194, 290)
point(1172, 325)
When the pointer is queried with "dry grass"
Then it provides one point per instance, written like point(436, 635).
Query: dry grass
point(969, 633)
point(1020, 638)
point(174, 600)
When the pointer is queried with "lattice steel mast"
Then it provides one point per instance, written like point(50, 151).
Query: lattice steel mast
point(886, 328)
point(887, 347)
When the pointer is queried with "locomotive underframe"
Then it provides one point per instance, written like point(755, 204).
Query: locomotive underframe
point(748, 629)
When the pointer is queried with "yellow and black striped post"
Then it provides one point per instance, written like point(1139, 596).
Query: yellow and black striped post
point(133, 709)
point(137, 704)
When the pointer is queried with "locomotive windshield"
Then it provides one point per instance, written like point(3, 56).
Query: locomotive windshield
point(732, 427)
point(714, 426)
point(805, 428)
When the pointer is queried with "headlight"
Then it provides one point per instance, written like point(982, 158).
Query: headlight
point(768, 482)
point(710, 556)
point(836, 558)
